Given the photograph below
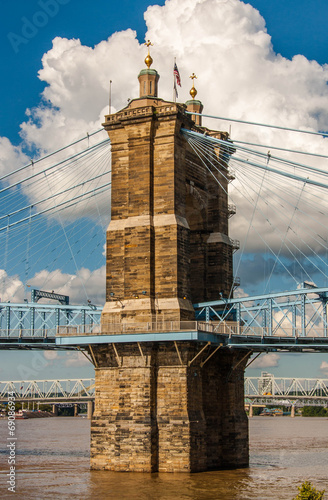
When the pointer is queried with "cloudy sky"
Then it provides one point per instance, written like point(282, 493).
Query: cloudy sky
point(259, 61)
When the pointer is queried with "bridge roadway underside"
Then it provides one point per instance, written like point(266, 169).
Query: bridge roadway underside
point(251, 342)
point(254, 343)
point(32, 343)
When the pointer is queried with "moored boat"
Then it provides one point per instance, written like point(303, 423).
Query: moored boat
point(20, 415)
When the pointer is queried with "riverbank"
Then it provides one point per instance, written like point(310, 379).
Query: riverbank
point(25, 414)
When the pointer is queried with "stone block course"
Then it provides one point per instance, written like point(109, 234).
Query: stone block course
point(154, 174)
point(157, 413)
point(158, 407)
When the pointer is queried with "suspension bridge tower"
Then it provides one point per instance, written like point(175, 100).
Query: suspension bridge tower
point(165, 404)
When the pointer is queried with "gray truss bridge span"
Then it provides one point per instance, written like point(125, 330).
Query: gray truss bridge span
point(286, 391)
point(49, 391)
point(265, 390)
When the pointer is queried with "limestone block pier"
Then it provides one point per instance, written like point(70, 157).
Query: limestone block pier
point(159, 408)
point(165, 405)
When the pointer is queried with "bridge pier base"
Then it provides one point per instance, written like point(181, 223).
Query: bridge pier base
point(292, 411)
point(55, 410)
point(90, 409)
point(158, 408)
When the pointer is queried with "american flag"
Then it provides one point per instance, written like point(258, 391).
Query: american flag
point(177, 74)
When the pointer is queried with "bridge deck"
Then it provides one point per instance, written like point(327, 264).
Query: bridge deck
point(256, 343)
point(251, 342)
point(290, 321)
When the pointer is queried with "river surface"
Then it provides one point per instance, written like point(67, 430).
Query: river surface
point(52, 462)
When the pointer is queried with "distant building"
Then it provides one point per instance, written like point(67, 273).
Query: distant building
point(266, 383)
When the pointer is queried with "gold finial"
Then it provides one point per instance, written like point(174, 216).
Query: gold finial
point(193, 91)
point(148, 59)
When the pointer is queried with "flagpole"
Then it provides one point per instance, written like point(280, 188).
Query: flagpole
point(110, 96)
point(174, 83)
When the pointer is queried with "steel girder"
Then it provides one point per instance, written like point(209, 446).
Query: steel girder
point(286, 387)
point(40, 390)
point(267, 390)
point(297, 313)
point(43, 320)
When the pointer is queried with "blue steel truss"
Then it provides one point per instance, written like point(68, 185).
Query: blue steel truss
point(298, 313)
point(295, 320)
point(35, 319)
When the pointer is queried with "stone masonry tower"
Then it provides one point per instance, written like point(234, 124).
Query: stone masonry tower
point(159, 407)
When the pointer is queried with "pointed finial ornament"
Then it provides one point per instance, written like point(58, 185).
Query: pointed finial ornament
point(193, 91)
point(148, 59)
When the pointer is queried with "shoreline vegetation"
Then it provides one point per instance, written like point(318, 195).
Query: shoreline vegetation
point(305, 411)
point(309, 492)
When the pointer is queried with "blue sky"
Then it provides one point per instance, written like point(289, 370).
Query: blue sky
point(90, 22)
point(27, 31)
point(296, 27)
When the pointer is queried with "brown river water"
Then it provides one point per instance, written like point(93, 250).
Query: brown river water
point(52, 462)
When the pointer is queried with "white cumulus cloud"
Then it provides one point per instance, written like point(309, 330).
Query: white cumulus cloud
point(83, 285)
point(227, 45)
point(76, 359)
point(269, 360)
point(324, 368)
point(239, 75)
point(51, 355)
point(11, 157)
point(12, 288)
point(80, 286)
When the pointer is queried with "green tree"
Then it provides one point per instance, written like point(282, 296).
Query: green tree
point(46, 407)
point(309, 492)
point(314, 411)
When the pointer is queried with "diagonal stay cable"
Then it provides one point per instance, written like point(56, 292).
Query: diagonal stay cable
point(262, 239)
point(323, 134)
point(52, 209)
point(50, 154)
point(34, 204)
point(76, 155)
point(266, 244)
